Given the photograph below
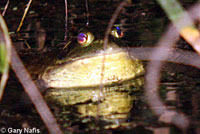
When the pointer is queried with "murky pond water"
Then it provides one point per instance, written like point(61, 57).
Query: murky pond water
point(143, 24)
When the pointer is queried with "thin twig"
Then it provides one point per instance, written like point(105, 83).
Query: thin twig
point(24, 15)
point(66, 20)
point(34, 94)
point(153, 75)
point(176, 55)
point(5, 9)
point(163, 50)
point(110, 25)
point(87, 12)
point(152, 81)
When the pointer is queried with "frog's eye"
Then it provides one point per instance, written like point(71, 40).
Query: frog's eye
point(117, 32)
point(85, 39)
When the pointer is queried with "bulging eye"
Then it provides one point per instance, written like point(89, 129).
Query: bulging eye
point(82, 38)
point(117, 32)
point(85, 38)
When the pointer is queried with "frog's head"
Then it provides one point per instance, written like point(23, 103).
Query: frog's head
point(90, 64)
point(90, 46)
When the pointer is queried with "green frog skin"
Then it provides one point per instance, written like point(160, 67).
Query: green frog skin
point(83, 67)
point(93, 74)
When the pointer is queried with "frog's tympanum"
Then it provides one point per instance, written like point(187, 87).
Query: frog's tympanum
point(91, 73)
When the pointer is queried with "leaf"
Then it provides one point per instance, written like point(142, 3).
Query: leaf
point(3, 59)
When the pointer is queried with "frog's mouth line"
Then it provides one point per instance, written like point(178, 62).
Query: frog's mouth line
point(138, 82)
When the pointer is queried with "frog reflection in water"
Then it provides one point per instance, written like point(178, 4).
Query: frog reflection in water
point(78, 79)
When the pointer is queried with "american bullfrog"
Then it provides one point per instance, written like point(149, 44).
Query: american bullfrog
point(91, 74)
